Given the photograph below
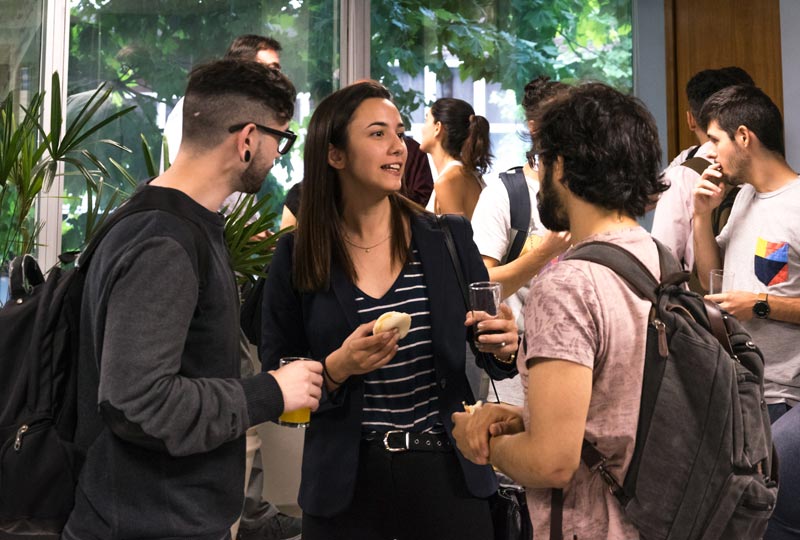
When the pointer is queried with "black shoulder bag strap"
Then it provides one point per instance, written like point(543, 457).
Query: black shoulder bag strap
point(451, 248)
point(520, 206)
point(142, 201)
point(462, 283)
point(697, 164)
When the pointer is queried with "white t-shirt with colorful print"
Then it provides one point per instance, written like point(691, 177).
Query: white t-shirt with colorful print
point(761, 247)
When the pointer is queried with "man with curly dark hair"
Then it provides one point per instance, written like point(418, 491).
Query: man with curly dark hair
point(582, 367)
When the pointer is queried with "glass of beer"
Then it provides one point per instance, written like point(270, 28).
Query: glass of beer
point(484, 300)
point(301, 417)
point(533, 240)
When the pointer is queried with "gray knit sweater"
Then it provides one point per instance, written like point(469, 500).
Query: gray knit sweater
point(165, 419)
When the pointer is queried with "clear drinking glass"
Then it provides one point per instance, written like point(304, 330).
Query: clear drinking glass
point(484, 300)
point(301, 417)
point(715, 280)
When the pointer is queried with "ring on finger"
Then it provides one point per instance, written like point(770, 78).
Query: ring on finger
point(502, 343)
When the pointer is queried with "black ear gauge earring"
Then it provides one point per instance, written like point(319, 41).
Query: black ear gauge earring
point(246, 156)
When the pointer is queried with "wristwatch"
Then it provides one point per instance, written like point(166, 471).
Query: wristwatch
point(761, 307)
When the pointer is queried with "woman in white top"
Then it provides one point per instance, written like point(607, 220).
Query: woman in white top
point(458, 141)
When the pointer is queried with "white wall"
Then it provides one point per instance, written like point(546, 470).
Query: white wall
point(790, 44)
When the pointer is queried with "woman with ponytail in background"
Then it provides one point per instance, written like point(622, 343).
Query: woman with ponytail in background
point(458, 141)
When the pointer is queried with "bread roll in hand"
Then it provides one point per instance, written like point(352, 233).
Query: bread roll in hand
point(391, 320)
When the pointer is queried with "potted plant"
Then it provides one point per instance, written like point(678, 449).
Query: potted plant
point(30, 153)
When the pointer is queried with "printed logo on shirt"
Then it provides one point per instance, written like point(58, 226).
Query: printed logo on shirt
point(771, 262)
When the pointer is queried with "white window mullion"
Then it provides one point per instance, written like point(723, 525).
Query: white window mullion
point(55, 57)
point(355, 41)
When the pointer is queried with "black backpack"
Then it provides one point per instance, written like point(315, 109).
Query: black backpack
point(520, 209)
point(39, 348)
point(703, 464)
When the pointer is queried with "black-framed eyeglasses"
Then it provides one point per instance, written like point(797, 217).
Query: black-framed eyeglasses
point(533, 159)
point(285, 138)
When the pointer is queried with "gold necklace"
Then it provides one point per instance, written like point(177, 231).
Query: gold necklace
point(368, 248)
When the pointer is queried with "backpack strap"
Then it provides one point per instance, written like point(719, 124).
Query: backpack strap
point(142, 201)
point(697, 164)
point(720, 215)
point(520, 206)
point(24, 274)
point(622, 262)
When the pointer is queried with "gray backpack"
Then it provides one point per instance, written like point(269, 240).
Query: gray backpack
point(703, 465)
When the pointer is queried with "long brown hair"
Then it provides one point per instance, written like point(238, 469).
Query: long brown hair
point(319, 238)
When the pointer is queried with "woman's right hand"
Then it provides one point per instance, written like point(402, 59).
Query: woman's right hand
point(362, 352)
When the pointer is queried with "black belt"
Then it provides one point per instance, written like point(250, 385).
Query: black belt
point(402, 441)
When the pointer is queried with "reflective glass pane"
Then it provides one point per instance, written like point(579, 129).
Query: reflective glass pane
point(20, 60)
point(144, 50)
point(485, 51)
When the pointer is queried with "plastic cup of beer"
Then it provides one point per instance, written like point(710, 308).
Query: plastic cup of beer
point(301, 417)
point(484, 300)
point(533, 240)
point(715, 280)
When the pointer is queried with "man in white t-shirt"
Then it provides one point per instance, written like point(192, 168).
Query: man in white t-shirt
point(760, 244)
point(760, 247)
point(672, 221)
point(491, 223)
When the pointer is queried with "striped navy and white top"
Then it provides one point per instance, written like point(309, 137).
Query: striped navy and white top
point(402, 394)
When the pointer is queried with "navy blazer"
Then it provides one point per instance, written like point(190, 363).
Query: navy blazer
point(316, 324)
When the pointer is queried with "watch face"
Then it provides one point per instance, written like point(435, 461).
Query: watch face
point(761, 309)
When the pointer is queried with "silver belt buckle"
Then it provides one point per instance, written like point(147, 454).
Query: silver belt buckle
point(386, 441)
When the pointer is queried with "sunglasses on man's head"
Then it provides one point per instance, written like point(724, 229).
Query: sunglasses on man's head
point(285, 138)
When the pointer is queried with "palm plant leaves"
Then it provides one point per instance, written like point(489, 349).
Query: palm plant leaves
point(30, 153)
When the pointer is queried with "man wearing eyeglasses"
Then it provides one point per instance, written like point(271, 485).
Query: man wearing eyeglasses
point(162, 409)
point(261, 520)
point(264, 50)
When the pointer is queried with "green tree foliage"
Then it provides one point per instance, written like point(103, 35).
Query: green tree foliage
point(503, 41)
point(144, 49)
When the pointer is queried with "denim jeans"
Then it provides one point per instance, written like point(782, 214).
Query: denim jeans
point(776, 410)
point(785, 521)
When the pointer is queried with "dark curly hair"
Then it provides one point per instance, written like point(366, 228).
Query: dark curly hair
point(609, 144)
point(746, 105)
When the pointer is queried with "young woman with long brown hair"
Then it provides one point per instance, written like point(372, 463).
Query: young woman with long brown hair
point(378, 460)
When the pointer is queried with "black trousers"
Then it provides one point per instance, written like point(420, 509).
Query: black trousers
point(406, 496)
